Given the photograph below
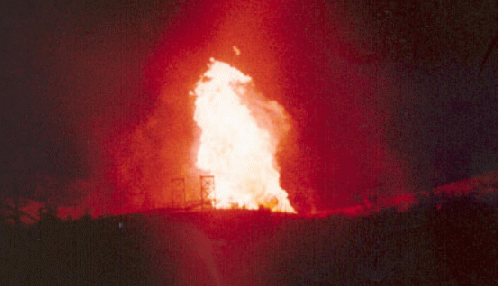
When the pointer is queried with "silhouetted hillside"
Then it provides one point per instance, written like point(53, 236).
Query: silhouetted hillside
point(442, 240)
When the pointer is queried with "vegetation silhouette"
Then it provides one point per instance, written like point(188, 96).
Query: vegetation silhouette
point(441, 240)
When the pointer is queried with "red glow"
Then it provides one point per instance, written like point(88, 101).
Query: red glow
point(337, 147)
point(341, 145)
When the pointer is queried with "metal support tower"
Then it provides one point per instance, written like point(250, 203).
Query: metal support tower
point(207, 183)
point(178, 192)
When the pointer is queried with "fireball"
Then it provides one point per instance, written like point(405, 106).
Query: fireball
point(236, 147)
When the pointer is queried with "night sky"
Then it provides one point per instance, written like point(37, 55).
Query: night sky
point(95, 104)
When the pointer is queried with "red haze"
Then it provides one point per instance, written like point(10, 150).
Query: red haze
point(337, 151)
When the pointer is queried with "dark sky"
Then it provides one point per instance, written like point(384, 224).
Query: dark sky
point(370, 113)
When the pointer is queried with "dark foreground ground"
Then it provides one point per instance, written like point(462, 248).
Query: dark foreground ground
point(440, 241)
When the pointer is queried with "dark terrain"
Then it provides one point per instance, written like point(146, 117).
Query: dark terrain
point(441, 240)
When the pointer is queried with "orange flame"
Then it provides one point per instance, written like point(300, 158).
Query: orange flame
point(233, 147)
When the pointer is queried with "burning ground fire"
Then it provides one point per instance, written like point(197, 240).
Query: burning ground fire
point(237, 145)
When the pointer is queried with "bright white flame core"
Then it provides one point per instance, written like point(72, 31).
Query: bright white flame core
point(233, 147)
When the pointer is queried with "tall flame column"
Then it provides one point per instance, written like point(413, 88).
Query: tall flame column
point(233, 148)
